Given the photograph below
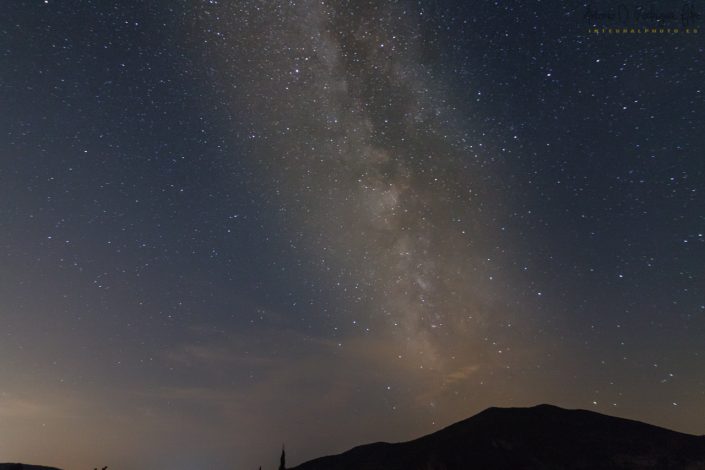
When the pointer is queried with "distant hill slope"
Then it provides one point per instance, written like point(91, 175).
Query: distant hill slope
point(538, 438)
point(21, 466)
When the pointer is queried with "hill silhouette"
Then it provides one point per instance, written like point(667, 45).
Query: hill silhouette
point(21, 466)
point(537, 438)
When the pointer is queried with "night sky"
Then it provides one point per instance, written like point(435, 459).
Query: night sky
point(228, 225)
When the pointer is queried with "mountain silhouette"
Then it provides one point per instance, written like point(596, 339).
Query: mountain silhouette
point(537, 438)
point(21, 466)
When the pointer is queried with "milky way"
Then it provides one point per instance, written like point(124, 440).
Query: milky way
point(232, 225)
point(378, 173)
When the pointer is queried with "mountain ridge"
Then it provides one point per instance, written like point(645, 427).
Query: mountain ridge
point(537, 438)
point(23, 466)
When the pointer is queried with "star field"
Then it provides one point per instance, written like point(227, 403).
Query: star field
point(228, 225)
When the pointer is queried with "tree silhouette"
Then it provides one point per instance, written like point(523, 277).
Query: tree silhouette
point(282, 460)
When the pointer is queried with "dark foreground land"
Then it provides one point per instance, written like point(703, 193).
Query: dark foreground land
point(21, 466)
point(538, 438)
